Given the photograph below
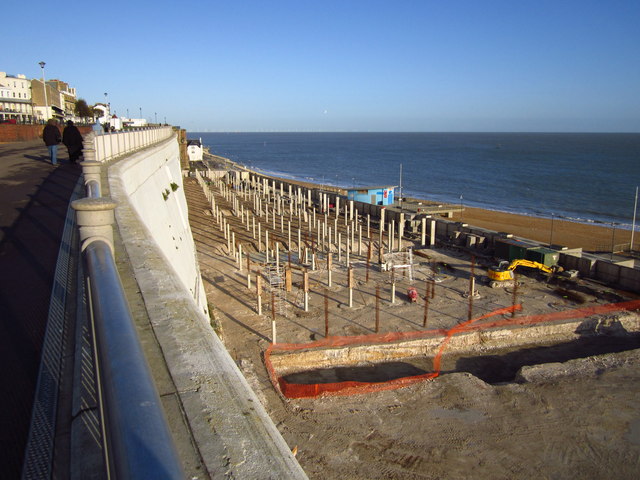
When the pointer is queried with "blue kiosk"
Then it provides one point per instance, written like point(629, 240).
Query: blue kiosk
point(374, 195)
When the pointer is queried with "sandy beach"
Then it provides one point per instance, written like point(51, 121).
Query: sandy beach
point(565, 233)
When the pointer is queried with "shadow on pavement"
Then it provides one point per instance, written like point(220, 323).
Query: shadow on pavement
point(34, 198)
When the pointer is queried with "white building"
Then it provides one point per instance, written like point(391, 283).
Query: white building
point(194, 150)
point(15, 98)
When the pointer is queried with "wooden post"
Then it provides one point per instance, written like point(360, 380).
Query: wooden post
point(248, 271)
point(259, 291)
point(368, 262)
point(377, 308)
point(326, 314)
point(305, 288)
point(392, 235)
point(426, 303)
point(287, 279)
point(350, 283)
point(393, 285)
point(273, 317)
point(329, 265)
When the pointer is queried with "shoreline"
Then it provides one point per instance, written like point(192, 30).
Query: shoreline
point(550, 231)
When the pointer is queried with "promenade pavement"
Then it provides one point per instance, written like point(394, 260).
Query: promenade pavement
point(34, 197)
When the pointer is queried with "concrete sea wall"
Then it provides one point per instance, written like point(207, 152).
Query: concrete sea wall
point(214, 396)
point(152, 181)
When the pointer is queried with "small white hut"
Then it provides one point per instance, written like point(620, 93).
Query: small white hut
point(194, 150)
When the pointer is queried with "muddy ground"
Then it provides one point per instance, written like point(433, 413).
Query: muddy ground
point(568, 418)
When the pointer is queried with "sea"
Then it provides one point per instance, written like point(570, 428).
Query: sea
point(582, 177)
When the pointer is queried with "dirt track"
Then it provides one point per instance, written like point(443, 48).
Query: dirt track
point(578, 419)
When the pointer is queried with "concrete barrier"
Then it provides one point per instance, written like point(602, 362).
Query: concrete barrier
point(233, 432)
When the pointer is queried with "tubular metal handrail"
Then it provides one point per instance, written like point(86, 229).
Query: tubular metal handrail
point(137, 440)
point(93, 189)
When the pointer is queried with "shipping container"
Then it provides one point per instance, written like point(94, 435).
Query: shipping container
point(543, 255)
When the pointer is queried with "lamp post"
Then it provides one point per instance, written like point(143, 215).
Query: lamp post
point(156, 114)
point(551, 235)
point(44, 85)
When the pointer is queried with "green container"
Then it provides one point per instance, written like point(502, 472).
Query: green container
point(510, 249)
point(501, 249)
point(517, 250)
point(543, 255)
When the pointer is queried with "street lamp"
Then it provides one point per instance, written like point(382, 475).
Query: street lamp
point(44, 84)
point(105, 105)
point(156, 114)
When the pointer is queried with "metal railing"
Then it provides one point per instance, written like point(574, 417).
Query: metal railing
point(136, 439)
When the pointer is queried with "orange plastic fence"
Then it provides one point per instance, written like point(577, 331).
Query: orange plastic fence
point(293, 390)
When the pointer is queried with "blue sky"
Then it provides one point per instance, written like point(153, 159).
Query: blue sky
point(350, 65)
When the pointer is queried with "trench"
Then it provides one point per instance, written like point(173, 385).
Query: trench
point(500, 366)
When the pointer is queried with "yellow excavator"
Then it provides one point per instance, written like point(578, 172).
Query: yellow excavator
point(502, 275)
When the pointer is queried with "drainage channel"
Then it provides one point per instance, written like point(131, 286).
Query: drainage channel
point(500, 366)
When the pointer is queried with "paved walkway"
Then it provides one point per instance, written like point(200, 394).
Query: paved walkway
point(34, 197)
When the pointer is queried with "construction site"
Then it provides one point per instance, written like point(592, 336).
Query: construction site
point(390, 343)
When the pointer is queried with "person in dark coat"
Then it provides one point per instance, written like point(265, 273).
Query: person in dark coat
point(72, 138)
point(51, 138)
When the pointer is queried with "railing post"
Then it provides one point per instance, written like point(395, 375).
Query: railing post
point(91, 173)
point(95, 217)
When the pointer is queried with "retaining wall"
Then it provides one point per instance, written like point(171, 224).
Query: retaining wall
point(152, 181)
point(233, 432)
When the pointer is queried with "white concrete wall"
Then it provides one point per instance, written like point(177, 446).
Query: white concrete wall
point(145, 178)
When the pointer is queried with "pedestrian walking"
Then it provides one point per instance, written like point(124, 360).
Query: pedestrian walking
point(51, 138)
point(72, 138)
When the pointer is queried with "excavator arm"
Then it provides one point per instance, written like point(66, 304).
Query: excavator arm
point(504, 272)
point(529, 263)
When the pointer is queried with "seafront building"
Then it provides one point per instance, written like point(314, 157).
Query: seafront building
point(24, 100)
point(16, 99)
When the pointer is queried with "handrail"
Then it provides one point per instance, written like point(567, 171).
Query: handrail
point(137, 440)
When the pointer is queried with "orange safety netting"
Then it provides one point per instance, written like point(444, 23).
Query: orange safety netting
point(294, 390)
